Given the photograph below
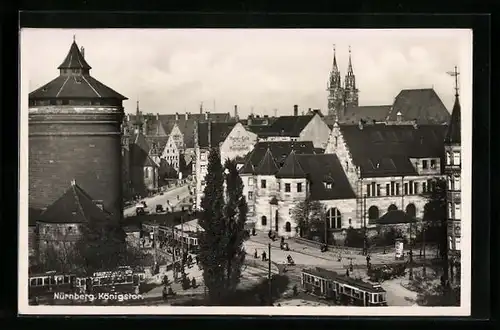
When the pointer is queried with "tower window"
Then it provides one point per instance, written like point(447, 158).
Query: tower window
point(287, 187)
point(299, 187)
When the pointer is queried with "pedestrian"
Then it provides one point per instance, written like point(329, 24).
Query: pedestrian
point(368, 258)
point(193, 282)
point(264, 256)
point(347, 272)
point(256, 255)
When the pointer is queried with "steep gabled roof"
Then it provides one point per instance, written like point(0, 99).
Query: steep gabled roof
point(424, 105)
point(386, 150)
point(267, 165)
point(218, 133)
point(325, 168)
point(453, 135)
point(74, 206)
point(279, 150)
point(74, 59)
point(286, 126)
point(248, 167)
point(291, 169)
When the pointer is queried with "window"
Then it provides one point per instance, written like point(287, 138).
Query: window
point(378, 190)
point(448, 158)
point(263, 220)
point(263, 184)
point(328, 185)
point(392, 207)
point(411, 210)
point(450, 183)
point(288, 227)
point(287, 187)
point(456, 158)
point(424, 187)
point(334, 218)
point(146, 173)
point(410, 185)
point(250, 182)
point(433, 163)
point(336, 141)
point(299, 187)
point(456, 183)
point(457, 212)
point(250, 195)
point(397, 188)
point(425, 165)
point(368, 190)
point(373, 214)
point(406, 190)
point(387, 189)
point(203, 156)
point(450, 211)
point(393, 190)
point(416, 188)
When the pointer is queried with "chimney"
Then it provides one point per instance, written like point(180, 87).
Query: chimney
point(145, 127)
point(399, 117)
point(157, 116)
point(209, 134)
point(236, 111)
point(295, 110)
point(186, 115)
point(176, 116)
point(207, 115)
point(99, 204)
point(360, 124)
point(82, 50)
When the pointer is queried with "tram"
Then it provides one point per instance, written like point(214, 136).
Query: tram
point(341, 288)
point(49, 282)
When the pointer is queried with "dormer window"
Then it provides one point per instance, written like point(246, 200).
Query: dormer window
point(433, 163)
point(328, 185)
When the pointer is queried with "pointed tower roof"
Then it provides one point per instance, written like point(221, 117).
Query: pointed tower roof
point(74, 206)
point(453, 135)
point(291, 168)
point(267, 165)
point(334, 66)
point(248, 167)
point(74, 59)
point(350, 71)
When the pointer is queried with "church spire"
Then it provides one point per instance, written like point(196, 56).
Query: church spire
point(350, 71)
point(334, 88)
point(453, 135)
point(138, 119)
point(334, 66)
point(351, 92)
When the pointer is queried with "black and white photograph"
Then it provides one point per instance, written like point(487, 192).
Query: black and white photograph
point(245, 171)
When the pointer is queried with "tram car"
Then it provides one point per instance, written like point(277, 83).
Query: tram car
point(123, 279)
point(45, 284)
point(341, 288)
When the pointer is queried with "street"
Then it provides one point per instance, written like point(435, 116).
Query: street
point(151, 202)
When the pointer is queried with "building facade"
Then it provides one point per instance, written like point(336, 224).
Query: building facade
point(233, 141)
point(171, 153)
point(75, 133)
point(453, 172)
point(389, 167)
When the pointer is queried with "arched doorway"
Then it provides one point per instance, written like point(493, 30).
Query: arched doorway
point(288, 227)
point(392, 207)
point(263, 221)
point(411, 210)
point(334, 218)
point(373, 213)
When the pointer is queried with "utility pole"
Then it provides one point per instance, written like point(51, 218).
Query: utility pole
point(326, 230)
point(270, 277)
point(423, 242)
point(365, 247)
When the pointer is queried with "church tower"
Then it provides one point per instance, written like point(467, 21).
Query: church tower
point(453, 169)
point(350, 90)
point(335, 91)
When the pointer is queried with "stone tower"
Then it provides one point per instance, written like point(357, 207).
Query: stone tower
point(453, 169)
point(75, 134)
point(335, 91)
point(350, 90)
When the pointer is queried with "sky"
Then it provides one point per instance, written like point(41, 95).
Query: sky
point(260, 70)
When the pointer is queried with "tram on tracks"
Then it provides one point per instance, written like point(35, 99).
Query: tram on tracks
point(123, 279)
point(341, 288)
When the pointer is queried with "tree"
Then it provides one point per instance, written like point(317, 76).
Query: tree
point(213, 252)
point(235, 216)
point(102, 246)
point(309, 215)
point(183, 166)
point(354, 237)
point(435, 217)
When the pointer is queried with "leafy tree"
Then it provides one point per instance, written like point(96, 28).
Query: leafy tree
point(435, 217)
point(213, 251)
point(309, 215)
point(354, 237)
point(235, 213)
point(102, 246)
point(183, 166)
